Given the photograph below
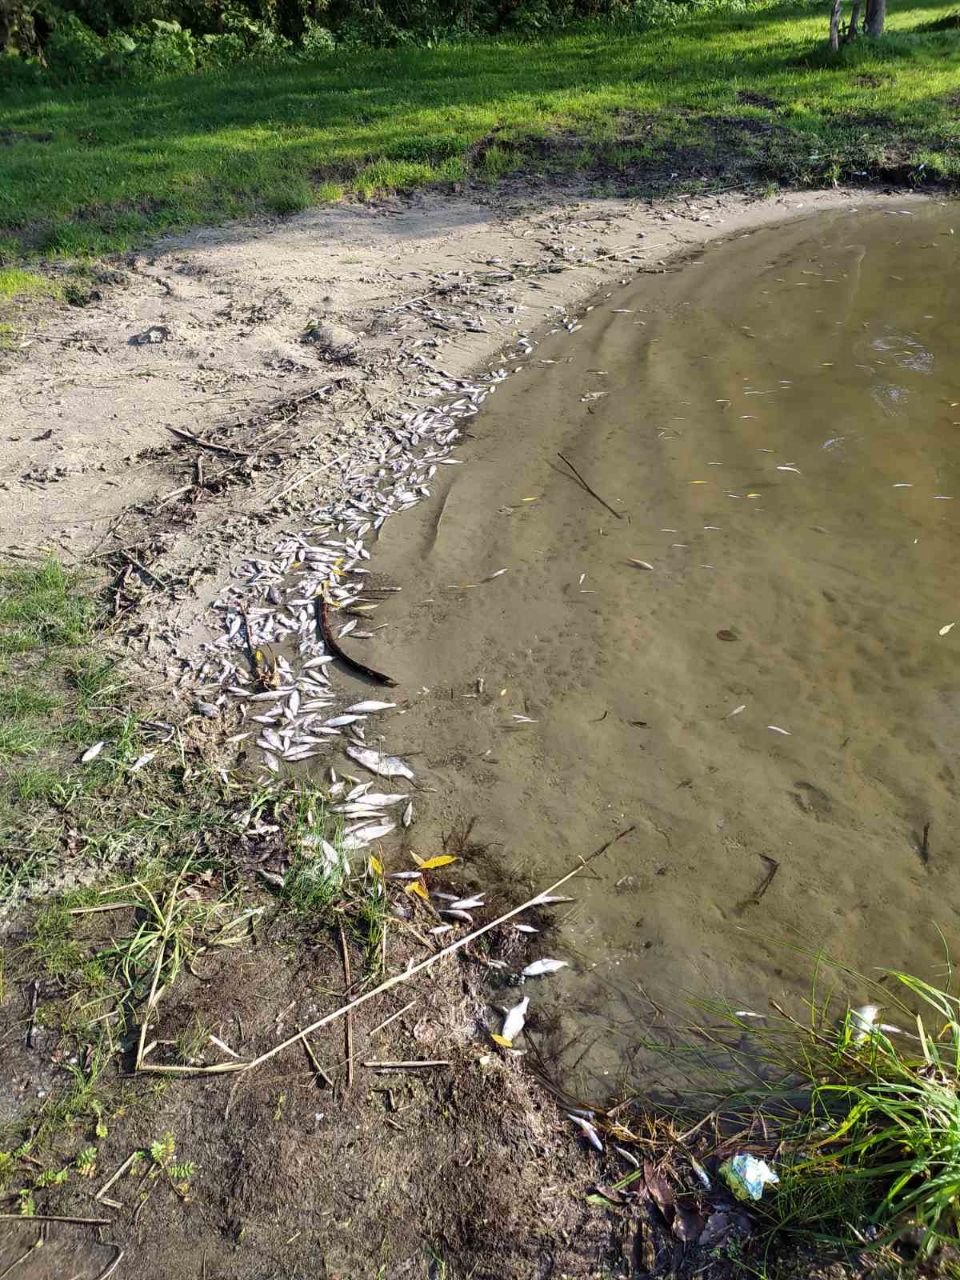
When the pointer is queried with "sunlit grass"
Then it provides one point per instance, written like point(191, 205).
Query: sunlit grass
point(749, 93)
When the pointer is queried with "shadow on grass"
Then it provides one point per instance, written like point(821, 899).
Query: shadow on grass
point(119, 163)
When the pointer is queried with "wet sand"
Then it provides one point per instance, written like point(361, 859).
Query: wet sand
point(749, 415)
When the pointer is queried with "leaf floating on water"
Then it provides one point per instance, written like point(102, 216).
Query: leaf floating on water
point(540, 967)
point(385, 766)
point(640, 564)
point(515, 1021)
point(776, 729)
point(361, 708)
point(588, 1131)
point(91, 753)
point(947, 629)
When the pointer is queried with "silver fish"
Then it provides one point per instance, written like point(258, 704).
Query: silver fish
point(385, 766)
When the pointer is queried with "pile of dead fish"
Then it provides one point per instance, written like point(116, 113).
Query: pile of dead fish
point(297, 718)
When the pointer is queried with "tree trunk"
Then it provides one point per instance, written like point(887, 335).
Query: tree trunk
point(835, 25)
point(876, 13)
point(854, 28)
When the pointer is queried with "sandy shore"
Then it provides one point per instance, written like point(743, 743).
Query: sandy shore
point(433, 289)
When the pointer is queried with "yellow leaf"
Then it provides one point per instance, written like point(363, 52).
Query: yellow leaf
point(699, 482)
point(502, 1040)
point(441, 860)
point(376, 866)
point(417, 887)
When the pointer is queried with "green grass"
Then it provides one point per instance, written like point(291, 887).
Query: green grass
point(729, 97)
point(856, 1106)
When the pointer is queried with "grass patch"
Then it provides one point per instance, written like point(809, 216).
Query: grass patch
point(731, 96)
point(154, 859)
point(856, 1107)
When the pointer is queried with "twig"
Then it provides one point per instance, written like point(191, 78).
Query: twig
point(34, 998)
point(119, 1174)
point(925, 844)
point(315, 1063)
point(111, 1266)
point(50, 1217)
point(208, 444)
point(773, 866)
point(348, 1022)
point(37, 1244)
point(332, 646)
point(397, 980)
point(143, 568)
point(593, 493)
point(409, 1066)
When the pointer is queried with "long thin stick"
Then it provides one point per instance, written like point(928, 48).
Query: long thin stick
point(397, 980)
point(50, 1217)
point(348, 1025)
point(593, 493)
point(407, 974)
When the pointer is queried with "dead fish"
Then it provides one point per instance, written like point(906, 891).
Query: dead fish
point(490, 576)
point(206, 709)
point(271, 877)
point(375, 831)
point(361, 708)
point(457, 914)
point(271, 761)
point(407, 817)
point(142, 762)
point(338, 721)
point(947, 629)
point(547, 899)
point(540, 967)
point(640, 564)
point(515, 1020)
point(525, 928)
point(787, 467)
point(736, 710)
point(91, 753)
point(588, 1131)
point(385, 766)
point(775, 728)
point(466, 904)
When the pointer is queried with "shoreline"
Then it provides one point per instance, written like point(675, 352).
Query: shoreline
point(403, 350)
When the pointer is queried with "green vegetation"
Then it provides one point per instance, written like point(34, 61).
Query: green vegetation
point(144, 834)
point(857, 1108)
point(727, 98)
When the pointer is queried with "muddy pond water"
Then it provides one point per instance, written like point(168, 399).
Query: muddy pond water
point(776, 425)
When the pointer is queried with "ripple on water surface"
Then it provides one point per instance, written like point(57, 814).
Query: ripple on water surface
point(777, 423)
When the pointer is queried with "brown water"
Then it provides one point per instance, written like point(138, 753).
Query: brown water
point(831, 346)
